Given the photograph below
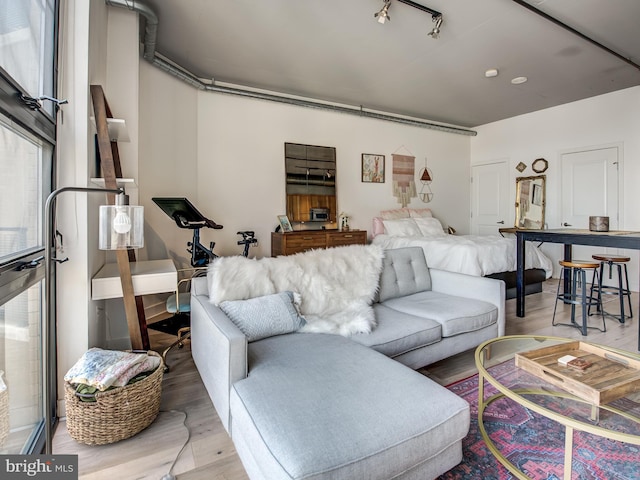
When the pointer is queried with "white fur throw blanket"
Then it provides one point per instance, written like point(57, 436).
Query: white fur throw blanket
point(337, 285)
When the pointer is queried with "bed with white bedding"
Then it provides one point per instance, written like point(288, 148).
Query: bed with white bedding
point(486, 255)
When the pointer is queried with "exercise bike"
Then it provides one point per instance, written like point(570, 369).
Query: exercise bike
point(185, 215)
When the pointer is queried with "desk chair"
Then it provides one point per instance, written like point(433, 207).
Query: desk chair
point(179, 304)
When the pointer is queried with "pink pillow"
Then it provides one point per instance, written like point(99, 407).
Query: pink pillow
point(378, 227)
point(394, 214)
point(420, 212)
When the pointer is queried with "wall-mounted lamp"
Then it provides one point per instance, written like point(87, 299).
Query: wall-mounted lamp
point(436, 17)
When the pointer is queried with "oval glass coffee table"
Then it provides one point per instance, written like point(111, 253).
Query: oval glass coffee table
point(557, 392)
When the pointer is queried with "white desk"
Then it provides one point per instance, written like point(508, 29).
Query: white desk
point(152, 276)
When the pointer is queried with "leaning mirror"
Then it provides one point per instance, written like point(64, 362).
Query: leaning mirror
point(530, 201)
point(310, 184)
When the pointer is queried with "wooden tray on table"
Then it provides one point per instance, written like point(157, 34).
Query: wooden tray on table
point(608, 377)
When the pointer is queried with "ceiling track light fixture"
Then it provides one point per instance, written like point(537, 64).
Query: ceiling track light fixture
point(436, 17)
point(383, 14)
point(435, 31)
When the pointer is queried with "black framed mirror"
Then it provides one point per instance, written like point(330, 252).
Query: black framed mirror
point(310, 183)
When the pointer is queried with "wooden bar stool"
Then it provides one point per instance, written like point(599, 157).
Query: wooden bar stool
point(578, 295)
point(622, 289)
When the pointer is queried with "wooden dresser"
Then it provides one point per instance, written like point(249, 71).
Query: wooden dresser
point(294, 242)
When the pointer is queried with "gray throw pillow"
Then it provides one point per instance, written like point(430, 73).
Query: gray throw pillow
point(266, 316)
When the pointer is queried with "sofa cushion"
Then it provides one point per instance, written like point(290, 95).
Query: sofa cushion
point(265, 316)
point(404, 272)
point(399, 333)
point(349, 413)
point(456, 314)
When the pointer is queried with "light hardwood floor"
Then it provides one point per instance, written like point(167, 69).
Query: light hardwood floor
point(188, 419)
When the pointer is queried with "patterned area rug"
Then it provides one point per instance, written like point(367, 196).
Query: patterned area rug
point(534, 443)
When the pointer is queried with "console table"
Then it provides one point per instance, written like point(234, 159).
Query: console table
point(288, 243)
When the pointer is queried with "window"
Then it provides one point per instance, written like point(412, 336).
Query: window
point(27, 142)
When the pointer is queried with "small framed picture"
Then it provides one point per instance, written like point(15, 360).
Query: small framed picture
point(372, 168)
point(285, 224)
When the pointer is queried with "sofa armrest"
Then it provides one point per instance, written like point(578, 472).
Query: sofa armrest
point(479, 288)
point(219, 350)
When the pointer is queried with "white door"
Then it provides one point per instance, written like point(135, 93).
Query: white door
point(489, 198)
point(590, 187)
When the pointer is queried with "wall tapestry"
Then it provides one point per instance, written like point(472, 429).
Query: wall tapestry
point(404, 185)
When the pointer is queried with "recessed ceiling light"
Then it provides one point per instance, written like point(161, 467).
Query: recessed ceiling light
point(519, 80)
point(492, 72)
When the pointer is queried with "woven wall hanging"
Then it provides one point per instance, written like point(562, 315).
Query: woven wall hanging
point(404, 185)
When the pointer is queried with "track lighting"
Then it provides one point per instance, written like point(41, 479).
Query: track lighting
point(383, 14)
point(435, 32)
point(436, 17)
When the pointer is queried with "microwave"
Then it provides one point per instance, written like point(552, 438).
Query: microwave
point(319, 215)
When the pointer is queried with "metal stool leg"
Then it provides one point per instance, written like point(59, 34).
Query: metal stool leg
point(627, 291)
point(573, 296)
point(620, 292)
point(555, 306)
point(583, 279)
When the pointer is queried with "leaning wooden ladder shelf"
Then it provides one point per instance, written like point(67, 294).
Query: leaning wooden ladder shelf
point(111, 171)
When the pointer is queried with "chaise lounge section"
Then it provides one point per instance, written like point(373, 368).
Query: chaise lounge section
point(319, 406)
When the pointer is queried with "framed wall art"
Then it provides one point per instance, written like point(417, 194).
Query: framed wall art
point(372, 168)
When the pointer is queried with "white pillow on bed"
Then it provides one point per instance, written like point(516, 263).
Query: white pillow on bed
point(429, 226)
point(403, 227)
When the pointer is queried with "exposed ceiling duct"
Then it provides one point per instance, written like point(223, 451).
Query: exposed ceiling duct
point(150, 54)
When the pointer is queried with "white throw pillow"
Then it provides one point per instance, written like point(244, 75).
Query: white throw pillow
point(404, 227)
point(265, 316)
point(430, 226)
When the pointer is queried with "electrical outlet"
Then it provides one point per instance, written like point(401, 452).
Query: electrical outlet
point(254, 244)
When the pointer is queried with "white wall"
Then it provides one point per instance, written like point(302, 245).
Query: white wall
point(82, 44)
point(168, 163)
point(599, 121)
point(229, 161)
point(98, 44)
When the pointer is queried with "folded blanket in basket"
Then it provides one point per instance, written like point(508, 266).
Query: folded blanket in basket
point(109, 368)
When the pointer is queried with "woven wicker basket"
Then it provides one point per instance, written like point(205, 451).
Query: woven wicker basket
point(116, 414)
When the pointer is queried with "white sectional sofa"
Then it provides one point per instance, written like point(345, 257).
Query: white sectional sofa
point(326, 406)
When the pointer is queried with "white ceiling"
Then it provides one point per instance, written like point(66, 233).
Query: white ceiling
point(334, 50)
